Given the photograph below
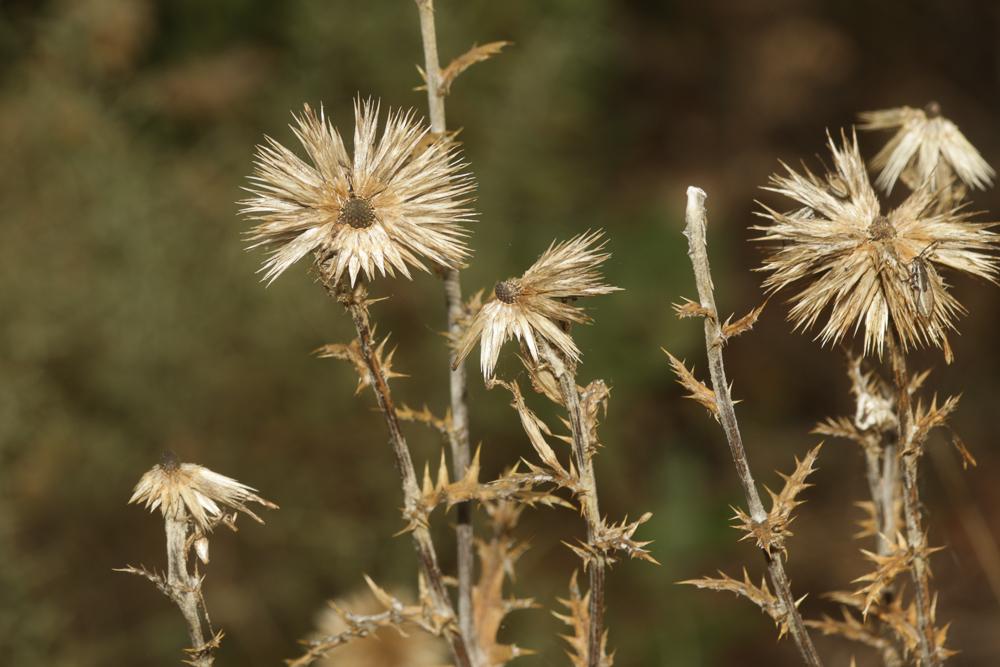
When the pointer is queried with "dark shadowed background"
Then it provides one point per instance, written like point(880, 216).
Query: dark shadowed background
point(132, 319)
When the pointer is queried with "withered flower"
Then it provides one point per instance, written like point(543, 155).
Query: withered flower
point(397, 202)
point(870, 269)
point(537, 303)
point(928, 148)
point(186, 490)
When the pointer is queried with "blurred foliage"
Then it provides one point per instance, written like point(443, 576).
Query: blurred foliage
point(133, 320)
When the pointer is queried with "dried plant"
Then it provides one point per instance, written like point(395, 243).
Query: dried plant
point(869, 269)
point(927, 148)
point(388, 208)
point(532, 309)
point(192, 500)
point(535, 306)
point(859, 268)
point(768, 529)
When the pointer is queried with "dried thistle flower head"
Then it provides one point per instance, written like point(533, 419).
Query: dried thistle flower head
point(397, 202)
point(927, 148)
point(537, 302)
point(870, 269)
point(188, 491)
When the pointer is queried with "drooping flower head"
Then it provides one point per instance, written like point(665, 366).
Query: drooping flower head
point(536, 304)
point(865, 268)
point(188, 491)
point(397, 202)
point(928, 148)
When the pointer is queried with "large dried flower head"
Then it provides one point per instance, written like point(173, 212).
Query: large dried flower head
point(927, 148)
point(537, 303)
point(186, 491)
point(398, 202)
point(867, 268)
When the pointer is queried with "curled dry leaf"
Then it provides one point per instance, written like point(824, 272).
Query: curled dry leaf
point(477, 54)
point(577, 617)
point(732, 329)
point(759, 595)
point(698, 390)
point(497, 558)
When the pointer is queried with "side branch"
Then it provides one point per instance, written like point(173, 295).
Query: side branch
point(698, 251)
point(355, 302)
point(583, 458)
point(915, 537)
point(457, 381)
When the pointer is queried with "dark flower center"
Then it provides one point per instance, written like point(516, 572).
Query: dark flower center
point(357, 212)
point(507, 290)
point(169, 461)
point(932, 110)
point(881, 229)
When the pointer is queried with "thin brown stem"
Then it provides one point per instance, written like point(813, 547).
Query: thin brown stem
point(583, 452)
point(457, 384)
point(909, 452)
point(355, 302)
point(698, 251)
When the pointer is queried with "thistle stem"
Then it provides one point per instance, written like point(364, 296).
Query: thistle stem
point(698, 252)
point(909, 452)
point(355, 302)
point(185, 590)
point(584, 461)
point(457, 384)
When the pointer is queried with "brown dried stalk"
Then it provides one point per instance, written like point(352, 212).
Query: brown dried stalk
point(193, 500)
point(356, 302)
point(909, 452)
point(698, 251)
point(583, 451)
point(457, 382)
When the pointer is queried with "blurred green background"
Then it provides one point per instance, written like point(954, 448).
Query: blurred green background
point(132, 320)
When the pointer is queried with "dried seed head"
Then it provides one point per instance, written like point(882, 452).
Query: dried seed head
point(536, 303)
point(357, 212)
point(927, 148)
point(386, 209)
point(185, 491)
point(507, 290)
point(863, 269)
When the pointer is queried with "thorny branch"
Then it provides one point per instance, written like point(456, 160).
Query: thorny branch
point(355, 300)
point(583, 459)
point(698, 251)
point(457, 381)
point(184, 589)
point(909, 451)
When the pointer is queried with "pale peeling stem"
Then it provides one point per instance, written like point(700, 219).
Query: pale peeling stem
point(915, 538)
point(354, 301)
point(583, 458)
point(459, 440)
point(185, 590)
point(698, 252)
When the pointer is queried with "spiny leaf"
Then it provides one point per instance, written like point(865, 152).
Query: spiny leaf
point(742, 325)
point(477, 54)
point(698, 390)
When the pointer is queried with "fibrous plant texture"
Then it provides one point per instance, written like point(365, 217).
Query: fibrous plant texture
point(537, 305)
point(397, 203)
point(859, 268)
point(192, 500)
point(885, 272)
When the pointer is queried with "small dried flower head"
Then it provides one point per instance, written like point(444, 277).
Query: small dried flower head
point(865, 268)
point(927, 148)
point(188, 491)
point(397, 202)
point(536, 303)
